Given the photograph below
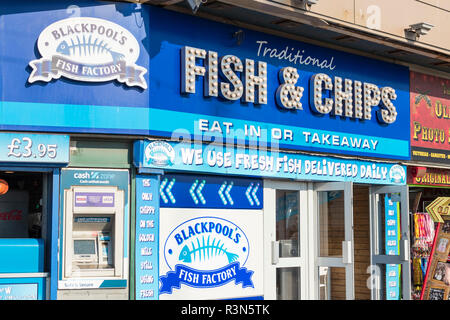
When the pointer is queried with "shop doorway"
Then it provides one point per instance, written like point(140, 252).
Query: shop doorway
point(26, 226)
point(319, 241)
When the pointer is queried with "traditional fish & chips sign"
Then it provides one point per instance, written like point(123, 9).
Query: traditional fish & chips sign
point(88, 49)
point(206, 252)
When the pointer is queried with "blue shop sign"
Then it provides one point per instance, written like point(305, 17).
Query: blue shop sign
point(232, 160)
point(78, 67)
point(30, 148)
point(212, 192)
point(147, 237)
point(267, 90)
point(124, 68)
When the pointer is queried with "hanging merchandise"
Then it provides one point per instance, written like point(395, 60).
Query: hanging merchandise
point(417, 274)
point(436, 282)
point(423, 230)
point(421, 249)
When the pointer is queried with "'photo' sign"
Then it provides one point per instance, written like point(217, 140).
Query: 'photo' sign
point(430, 118)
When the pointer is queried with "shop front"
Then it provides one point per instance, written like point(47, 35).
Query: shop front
point(427, 186)
point(275, 173)
point(273, 168)
point(315, 230)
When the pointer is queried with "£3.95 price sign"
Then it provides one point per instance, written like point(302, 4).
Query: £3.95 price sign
point(39, 148)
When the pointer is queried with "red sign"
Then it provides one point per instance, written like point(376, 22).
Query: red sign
point(430, 118)
point(14, 214)
point(428, 176)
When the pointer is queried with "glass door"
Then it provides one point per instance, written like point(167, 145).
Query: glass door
point(390, 265)
point(334, 270)
point(285, 226)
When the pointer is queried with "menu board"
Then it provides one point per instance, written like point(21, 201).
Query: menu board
point(392, 238)
point(147, 238)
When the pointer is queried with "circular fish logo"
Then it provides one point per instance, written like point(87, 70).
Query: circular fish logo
point(397, 174)
point(159, 153)
point(88, 49)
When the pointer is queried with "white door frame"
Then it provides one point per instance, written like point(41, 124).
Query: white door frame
point(347, 259)
point(375, 248)
point(272, 261)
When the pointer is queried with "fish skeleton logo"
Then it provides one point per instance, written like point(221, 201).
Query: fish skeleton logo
point(206, 252)
point(88, 49)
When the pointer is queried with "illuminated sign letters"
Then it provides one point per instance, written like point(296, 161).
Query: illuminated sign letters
point(335, 96)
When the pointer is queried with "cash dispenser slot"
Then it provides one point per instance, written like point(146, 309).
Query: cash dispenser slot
point(94, 232)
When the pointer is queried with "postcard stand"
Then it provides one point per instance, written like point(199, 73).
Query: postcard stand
point(437, 278)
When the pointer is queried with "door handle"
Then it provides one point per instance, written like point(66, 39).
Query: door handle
point(346, 252)
point(275, 252)
point(404, 250)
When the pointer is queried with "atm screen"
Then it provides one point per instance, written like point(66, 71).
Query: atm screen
point(84, 246)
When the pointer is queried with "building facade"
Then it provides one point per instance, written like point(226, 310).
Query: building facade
point(234, 150)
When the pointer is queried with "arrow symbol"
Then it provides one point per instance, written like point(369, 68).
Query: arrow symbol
point(251, 194)
point(191, 191)
point(254, 194)
point(440, 206)
point(168, 190)
point(247, 194)
point(224, 192)
point(227, 192)
point(161, 190)
point(220, 192)
point(197, 193)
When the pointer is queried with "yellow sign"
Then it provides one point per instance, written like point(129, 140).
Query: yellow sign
point(438, 208)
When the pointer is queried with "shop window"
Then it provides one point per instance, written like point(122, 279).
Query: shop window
point(21, 204)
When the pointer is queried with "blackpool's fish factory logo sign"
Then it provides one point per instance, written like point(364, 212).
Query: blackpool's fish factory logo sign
point(159, 153)
point(88, 49)
point(206, 252)
point(397, 174)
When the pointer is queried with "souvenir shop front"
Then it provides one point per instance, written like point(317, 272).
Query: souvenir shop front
point(429, 182)
point(240, 192)
point(426, 185)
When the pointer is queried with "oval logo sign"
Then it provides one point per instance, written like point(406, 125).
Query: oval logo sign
point(397, 174)
point(206, 252)
point(88, 49)
point(159, 153)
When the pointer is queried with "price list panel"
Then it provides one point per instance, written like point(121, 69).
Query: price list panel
point(392, 237)
point(147, 237)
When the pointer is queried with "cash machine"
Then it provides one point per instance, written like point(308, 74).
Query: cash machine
point(93, 238)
